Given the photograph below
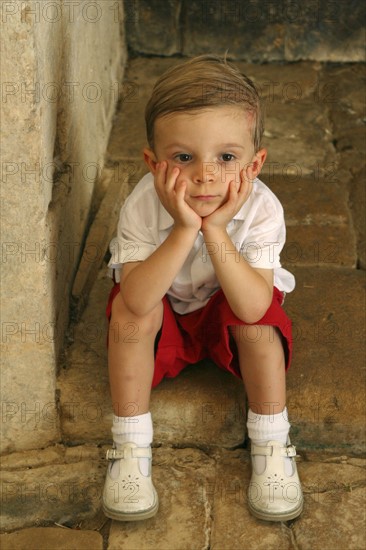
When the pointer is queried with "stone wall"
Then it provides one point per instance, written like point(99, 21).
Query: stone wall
point(62, 65)
point(250, 30)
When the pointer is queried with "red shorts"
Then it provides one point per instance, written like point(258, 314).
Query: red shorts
point(187, 339)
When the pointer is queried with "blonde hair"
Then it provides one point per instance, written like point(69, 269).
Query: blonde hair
point(204, 81)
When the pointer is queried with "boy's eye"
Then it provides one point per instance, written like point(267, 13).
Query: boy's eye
point(183, 157)
point(227, 157)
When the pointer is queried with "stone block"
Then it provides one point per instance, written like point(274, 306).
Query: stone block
point(357, 205)
point(319, 226)
point(57, 491)
point(291, 129)
point(326, 381)
point(153, 27)
point(249, 31)
point(56, 118)
point(319, 246)
point(324, 31)
point(204, 406)
point(343, 85)
point(29, 411)
point(285, 83)
point(45, 538)
point(252, 31)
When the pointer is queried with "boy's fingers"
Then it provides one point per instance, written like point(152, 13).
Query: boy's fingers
point(233, 191)
point(181, 189)
point(171, 178)
point(160, 173)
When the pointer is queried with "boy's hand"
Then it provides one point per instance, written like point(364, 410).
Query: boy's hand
point(171, 195)
point(236, 198)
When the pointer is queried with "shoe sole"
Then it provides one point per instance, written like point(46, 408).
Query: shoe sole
point(276, 517)
point(134, 516)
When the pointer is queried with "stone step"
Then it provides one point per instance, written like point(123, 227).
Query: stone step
point(45, 538)
point(205, 406)
point(56, 485)
point(203, 498)
point(191, 409)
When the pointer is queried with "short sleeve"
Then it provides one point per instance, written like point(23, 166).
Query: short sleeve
point(266, 234)
point(136, 239)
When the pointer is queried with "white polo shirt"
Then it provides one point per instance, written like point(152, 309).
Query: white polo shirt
point(257, 231)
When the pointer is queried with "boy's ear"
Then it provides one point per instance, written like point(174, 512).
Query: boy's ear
point(257, 163)
point(150, 159)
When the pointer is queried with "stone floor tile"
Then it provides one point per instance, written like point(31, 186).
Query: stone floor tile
point(183, 478)
point(234, 528)
point(332, 519)
point(319, 477)
point(55, 492)
point(50, 538)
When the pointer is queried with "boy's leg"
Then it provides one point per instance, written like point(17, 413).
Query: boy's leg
point(128, 492)
point(131, 357)
point(262, 366)
point(275, 491)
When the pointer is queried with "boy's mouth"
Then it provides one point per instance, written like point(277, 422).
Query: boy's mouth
point(204, 197)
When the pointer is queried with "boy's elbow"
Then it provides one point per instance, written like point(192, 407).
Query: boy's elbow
point(255, 312)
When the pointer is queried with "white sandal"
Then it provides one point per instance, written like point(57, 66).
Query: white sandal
point(129, 495)
point(274, 495)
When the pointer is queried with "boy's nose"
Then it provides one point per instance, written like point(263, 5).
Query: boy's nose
point(205, 172)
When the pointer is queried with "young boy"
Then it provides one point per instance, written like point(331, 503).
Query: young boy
point(199, 240)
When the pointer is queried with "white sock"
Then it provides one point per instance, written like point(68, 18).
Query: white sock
point(268, 427)
point(134, 429)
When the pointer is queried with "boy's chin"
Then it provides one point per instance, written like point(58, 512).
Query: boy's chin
point(205, 210)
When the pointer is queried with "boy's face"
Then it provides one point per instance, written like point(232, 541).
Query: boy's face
point(210, 147)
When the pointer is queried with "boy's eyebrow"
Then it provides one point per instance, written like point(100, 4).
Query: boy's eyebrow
point(233, 145)
point(220, 146)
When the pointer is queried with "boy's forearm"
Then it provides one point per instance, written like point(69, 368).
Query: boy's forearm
point(246, 291)
point(148, 283)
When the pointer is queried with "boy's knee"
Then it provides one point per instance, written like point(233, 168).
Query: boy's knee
point(148, 324)
point(250, 334)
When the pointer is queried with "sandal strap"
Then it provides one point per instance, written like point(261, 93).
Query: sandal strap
point(129, 452)
point(289, 450)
